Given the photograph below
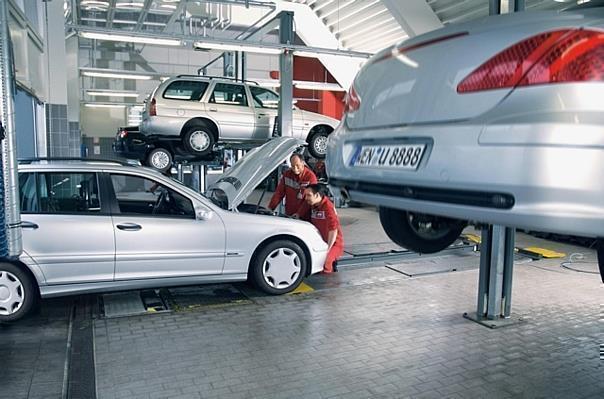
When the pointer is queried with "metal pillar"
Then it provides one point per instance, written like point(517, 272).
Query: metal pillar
point(286, 74)
point(11, 212)
point(495, 278)
point(518, 5)
point(494, 7)
point(180, 172)
point(228, 65)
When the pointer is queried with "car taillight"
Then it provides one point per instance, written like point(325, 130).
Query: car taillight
point(153, 108)
point(551, 57)
point(123, 134)
point(352, 101)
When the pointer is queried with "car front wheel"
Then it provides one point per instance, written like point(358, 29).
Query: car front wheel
point(16, 292)
point(198, 140)
point(420, 232)
point(279, 267)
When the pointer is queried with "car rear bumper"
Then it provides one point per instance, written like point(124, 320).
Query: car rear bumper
point(133, 146)
point(553, 187)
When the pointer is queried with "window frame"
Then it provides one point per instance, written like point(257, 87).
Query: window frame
point(245, 92)
point(103, 200)
point(115, 207)
point(205, 90)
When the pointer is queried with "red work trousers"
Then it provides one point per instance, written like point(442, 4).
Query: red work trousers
point(334, 253)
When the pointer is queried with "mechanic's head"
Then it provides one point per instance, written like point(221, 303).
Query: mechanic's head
point(297, 163)
point(313, 194)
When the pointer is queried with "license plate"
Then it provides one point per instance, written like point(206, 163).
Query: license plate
point(394, 156)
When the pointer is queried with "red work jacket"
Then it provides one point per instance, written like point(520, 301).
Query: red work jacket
point(291, 186)
point(323, 216)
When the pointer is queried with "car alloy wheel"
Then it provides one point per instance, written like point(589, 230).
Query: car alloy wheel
point(160, 160)
point(320, 144)
point(199, 140)
point(281, 268)
point(12, 293)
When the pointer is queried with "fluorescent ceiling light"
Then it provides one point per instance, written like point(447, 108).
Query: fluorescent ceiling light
point(307, 85)
point(237, 47)
point(115, 75)
point(130, 5)
point(93, 105)
point(110, 93)
point(130, 38)
point(168, 6)
point(94, 4)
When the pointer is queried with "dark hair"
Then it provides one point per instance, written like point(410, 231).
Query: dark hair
point(296, 155)
point(318, 189)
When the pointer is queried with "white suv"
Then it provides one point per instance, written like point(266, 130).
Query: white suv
point(201, 111)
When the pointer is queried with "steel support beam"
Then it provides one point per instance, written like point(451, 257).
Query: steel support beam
point(143, 15)
point(286, 74)
point(414, 16)
point(494, 303)
point(519, 5)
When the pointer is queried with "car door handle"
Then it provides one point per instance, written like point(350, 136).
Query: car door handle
point(213, 109)
point(29, 225)
point(261, 115)
point(129, 226)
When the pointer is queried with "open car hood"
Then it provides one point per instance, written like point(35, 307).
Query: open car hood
point(235, 185)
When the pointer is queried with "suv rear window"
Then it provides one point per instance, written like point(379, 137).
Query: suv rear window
point(187, 90)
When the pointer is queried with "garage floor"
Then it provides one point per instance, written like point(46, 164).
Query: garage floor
point(366, 332)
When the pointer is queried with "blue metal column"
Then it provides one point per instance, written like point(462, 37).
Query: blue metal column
point(10, 218)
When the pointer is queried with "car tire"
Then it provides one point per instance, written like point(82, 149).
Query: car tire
point(17, 292)
point(317, 143)
point(160, 159)
point(198, 140)
point(278, 267)
point(420, 232)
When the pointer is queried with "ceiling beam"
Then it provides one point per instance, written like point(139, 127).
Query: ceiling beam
point(143, 15)
point(415, 16)
point(110, 14)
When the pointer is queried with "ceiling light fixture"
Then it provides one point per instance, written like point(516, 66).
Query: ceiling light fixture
point(95, 105)
point(111, 93)
point(114, 75)
point(130, 38)
point(307, 85)
point(237, 47)
point(130, 5)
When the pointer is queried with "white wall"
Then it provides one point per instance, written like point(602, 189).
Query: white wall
point(101, 122)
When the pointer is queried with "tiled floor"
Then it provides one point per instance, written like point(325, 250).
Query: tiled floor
point(382, 338)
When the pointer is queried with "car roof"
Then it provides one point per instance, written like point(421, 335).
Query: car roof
point(209, 78)
point(49, 164)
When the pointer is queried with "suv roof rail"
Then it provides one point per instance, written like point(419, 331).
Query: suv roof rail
point(89, 160)
point(217, 77)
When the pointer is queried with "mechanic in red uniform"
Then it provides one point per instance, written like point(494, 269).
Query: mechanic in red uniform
point(323, 216)
point(292, 185)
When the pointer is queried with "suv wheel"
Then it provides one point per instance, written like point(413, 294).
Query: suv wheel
point(317, 144)
point(279, 267)
point(16, 292)
point(160, 159)
point(198, 140)
point(420, 232)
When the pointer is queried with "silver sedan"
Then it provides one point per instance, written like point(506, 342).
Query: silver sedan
point(500, 121)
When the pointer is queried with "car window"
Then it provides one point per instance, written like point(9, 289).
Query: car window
point(187, 90)
point(62, 193)
point(141, 196)
point(264, 98)
point(229, 94)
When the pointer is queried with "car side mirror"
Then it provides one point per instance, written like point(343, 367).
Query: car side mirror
point(204, 214)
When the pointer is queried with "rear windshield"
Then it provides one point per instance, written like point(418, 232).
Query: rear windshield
point(187, 90)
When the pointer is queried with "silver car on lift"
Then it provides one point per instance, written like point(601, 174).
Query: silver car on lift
point(199, 111)
point(100, 226)
point(499, 120)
